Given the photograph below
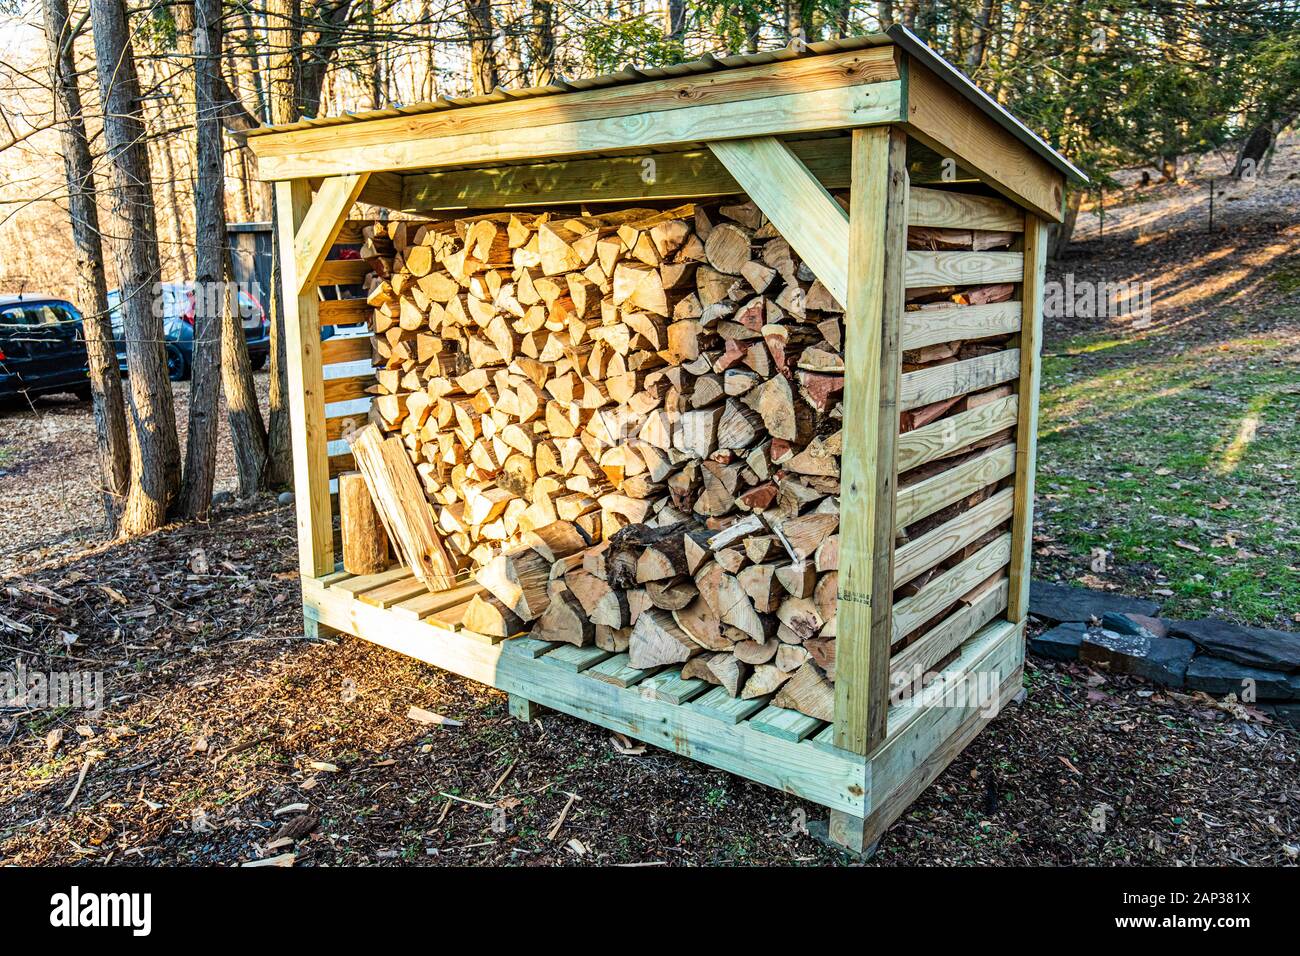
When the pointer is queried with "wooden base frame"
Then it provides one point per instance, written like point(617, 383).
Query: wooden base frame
point(751, 738)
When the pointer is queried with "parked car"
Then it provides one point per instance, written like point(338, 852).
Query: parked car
point(42, 347)
point(177, 303)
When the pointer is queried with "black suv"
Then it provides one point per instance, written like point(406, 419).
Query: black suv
point(42, 347)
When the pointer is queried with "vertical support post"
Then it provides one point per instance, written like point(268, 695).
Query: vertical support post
point(311, 481)
point(877, 258)
point(1031, 337)
point(521, 708)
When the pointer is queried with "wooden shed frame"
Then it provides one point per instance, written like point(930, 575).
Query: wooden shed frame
point(879, 114)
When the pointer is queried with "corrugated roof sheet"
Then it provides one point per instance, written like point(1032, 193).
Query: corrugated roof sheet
point(708, 63)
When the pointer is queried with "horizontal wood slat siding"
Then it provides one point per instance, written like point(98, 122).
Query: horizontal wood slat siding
point(957, 378)
point(343, 311)
point(343, 272)
point(946, 636)
point(942, 209)
point(948, 435)
point(341, 463)
point(346, 389)
point(926, 268)
point(336, 427)
point(928, 496)
point(922, 327)
point(353, 348)
point(943, 591)
point(950, 537)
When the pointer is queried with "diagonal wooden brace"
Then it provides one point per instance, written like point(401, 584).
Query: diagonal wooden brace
point(322, 224)
point(799, 206)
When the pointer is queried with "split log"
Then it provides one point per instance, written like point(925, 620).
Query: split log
point(765, 680)
point(365, 543)
point(407, 518)
point(808, 692)
point(656, 640)
point(564, 620)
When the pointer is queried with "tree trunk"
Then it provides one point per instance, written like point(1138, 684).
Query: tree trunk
point(482, 54)
point(247, 430)
point(1256, 146)
point(254, 64)
point(374, 60)
point(155, 475)
point(753, 32)
point(840, 22)
point(795, 26)
point(884, 13)
point(543, 42)
point(331, 25)
point(1012, 51)
point(211, 295)
point(1062, 232)
point(979, 39)
point(675, 23)
point(284, 96)
point(92, 292)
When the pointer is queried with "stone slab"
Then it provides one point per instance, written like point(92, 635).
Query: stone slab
point(1252, 646)
point(1060, 603)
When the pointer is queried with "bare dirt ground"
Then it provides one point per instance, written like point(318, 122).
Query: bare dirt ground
point(228, 738)
point(49, 501)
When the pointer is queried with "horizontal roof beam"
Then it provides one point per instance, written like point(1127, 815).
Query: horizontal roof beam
point(362, 150)
point(683, 174)
point(639, 177)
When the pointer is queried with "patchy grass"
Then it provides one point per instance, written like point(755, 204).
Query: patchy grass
point(1181, 464)
point(1286, 278)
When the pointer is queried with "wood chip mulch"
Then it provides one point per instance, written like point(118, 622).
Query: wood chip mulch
point(228, 739)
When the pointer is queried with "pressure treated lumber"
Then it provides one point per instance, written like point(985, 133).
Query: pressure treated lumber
point(674, 383)
point(942, 118)
point(312, 511)
point(320, 227)
point(622, 371)
point(1030, 346)
point(877, 251)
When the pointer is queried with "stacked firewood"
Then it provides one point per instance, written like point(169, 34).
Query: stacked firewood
point(627, 425)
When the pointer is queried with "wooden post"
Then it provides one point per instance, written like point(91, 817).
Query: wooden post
point(306, 389)
point(1031, 336)
point(521, 708)
point(877, 256)
point(300, 261)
